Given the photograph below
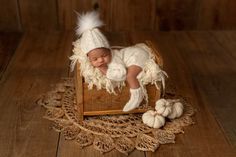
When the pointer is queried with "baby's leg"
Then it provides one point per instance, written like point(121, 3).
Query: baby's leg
point(136, 93)
point(131, 77)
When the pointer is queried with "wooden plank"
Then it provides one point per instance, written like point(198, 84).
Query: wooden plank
point(9, 16)
point(8, 44)
point(65, 12)
point(132, 15)
point(79, 92)
point(176, 14)
point(135, 14)
point(39, 15)
point(229, 15)
point(218, 85)
point(206, 138)
point(105, 10)
point(118, 38)
point(96, 101)
point(113, 112)
point(67, 17)
point(227, 41)
point(74, 151)
point(205, 60)
point(212, 14)
point(40, 60)
point(153, 15)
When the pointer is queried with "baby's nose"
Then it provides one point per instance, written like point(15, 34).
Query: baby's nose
point(101, 59)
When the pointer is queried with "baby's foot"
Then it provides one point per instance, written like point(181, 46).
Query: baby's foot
point(136, 98)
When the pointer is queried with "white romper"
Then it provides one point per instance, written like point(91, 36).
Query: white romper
point(121, 59)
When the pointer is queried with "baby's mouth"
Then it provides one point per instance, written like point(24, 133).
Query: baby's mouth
point(101, 65)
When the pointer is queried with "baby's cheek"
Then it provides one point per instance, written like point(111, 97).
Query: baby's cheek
point(108, 60)
point(93, 63)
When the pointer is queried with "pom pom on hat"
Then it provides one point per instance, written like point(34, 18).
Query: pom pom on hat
point(88, 21)
point(90, 36)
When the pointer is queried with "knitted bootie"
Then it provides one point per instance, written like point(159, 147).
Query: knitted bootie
point(136, 98)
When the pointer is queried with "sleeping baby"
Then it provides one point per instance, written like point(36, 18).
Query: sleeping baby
point(117, 65)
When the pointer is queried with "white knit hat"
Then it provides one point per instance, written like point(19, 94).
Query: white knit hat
point(91, 37)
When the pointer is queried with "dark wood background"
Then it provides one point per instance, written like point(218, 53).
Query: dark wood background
point(119, 15)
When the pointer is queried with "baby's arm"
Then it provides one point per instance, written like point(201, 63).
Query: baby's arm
point(116, 72)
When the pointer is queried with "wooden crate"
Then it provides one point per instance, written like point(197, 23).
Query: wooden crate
point(100, 102)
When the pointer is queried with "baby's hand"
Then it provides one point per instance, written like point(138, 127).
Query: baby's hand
point(103, 69)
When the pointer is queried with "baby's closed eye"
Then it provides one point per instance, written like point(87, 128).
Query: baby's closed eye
point(93, 59)
point(105, 55)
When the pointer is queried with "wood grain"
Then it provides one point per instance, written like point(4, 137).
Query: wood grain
point(100, 102)
point(216, 14)
point(8, 44)
point(207, 137)
point(132, 15)
point(39, 15)
point(72, 149)
point(79, 89)
point(39, 61)
point(153, 15)
point(176, 14)
point(217, 85)
point(67, 16)
point(106, 13)
point(120, 15)
point(9, 16)
point(229, 15)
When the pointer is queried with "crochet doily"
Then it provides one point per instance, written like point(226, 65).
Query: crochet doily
point(121, 132)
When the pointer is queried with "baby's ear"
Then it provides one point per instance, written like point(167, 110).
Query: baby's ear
point(88, 54)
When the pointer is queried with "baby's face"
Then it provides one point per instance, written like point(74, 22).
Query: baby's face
point(99, 57)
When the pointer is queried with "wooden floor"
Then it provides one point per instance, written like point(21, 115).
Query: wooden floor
point(8, 45)
point(202, 65)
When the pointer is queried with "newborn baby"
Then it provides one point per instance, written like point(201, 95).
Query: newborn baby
point(117, 65)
